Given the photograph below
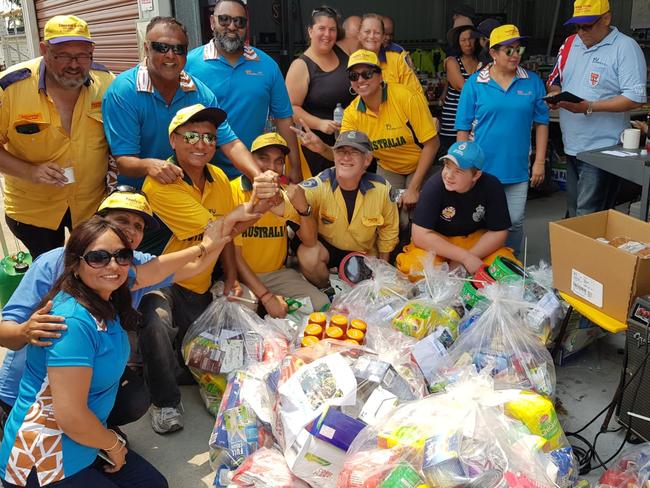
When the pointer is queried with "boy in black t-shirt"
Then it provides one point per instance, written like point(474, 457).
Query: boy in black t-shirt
point(461, 215)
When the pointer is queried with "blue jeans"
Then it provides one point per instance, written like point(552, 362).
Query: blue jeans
point(589, 189)
point(136, 473)
point(516, 194)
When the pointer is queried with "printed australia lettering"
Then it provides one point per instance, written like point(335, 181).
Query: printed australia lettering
point(264, 231)
point(388, 143)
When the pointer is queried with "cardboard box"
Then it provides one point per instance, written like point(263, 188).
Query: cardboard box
point(599, 274)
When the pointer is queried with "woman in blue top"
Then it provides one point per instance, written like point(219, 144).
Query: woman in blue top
point(505, 101)
point(57, 426)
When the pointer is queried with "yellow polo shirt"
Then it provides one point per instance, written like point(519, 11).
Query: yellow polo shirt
point(186, 211)
point(397, 132)
point(374, 226)
point(264, 244)
point(26, 107)
point(395, 69)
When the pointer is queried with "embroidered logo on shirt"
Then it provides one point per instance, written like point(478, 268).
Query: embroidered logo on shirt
point(448, 213)
point(250, 72)
point(478, 214)
point(31, 116)
point(594, 78)
point(524, 93)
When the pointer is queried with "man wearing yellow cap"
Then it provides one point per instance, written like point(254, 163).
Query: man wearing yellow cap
point(53, 151)
point(607, 69)
point(262, 255)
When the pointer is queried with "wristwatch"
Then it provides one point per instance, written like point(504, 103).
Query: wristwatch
point(306, 213)
point(590, 108)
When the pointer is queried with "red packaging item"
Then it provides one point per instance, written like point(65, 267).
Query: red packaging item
point(367, 469)
point(266, 468)
point(617, 479)
point(482, 278)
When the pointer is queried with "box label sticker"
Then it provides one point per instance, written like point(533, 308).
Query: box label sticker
point(587, 288)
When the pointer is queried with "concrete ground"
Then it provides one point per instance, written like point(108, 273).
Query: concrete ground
point(585, 384)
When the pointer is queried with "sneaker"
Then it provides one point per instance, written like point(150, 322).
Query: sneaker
point(167, 419)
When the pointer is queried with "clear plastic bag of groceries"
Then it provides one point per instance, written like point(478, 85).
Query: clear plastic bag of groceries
point(383, 294)
point(227, 337)
point(447, 440)
point(266, 468)
point(243, 422)
point(329, 392)
point(631, 469)
point(437, 310)
point(547, 313)
point(500, 342)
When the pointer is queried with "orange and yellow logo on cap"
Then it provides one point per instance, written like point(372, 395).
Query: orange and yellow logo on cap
point(503, 34)
point(363, 56)
point(586, 8)
point(66, 26)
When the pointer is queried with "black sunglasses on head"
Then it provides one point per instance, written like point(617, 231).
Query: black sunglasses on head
point(163, 48)
point(366, 75)
point(100, 258)
point(225, 21)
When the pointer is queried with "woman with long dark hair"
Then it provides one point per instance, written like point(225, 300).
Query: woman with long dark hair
point(57, 427)
point(318, 80)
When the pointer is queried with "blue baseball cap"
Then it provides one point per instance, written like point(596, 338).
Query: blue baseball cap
point(466, 155)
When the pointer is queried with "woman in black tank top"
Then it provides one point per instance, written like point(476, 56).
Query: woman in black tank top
point(317, 81)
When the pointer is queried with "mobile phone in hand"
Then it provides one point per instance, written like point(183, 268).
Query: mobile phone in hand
point(105, 457)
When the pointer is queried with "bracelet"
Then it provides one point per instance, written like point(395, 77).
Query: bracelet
point(202, 249)
point(264, 295)
point(117, 441)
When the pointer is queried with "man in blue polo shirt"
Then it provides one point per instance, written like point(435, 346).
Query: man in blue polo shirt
point(142, 101)
point(607, 70)
point(247, 83)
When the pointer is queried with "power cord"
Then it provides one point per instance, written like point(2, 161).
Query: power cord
point(586, 456)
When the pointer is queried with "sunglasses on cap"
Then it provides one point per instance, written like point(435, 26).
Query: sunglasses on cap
point(366, 75)
point(226, 20)
point(193, 137)
point(511, 51)
point(125, 189)
point(100, 258)
point(163, 48)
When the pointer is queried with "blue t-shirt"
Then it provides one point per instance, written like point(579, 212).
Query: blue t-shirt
point(248, 92)
point(32, 437)
point(615, 66)
point(504, 119)
point(137, 117)
point(36, 283)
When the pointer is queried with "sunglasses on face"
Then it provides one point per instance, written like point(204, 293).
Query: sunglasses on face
point(163, 48)
point(587, 27)
point(366, 75)
point(101, 258)
point(511, 51)
point(226, 20)
point(193, 137)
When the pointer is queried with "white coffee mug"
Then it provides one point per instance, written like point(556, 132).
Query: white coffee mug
point(69, 174)
point(630, 138)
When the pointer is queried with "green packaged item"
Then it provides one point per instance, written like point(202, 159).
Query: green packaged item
point(469, 295)
point(503, 267)
point(403, 476)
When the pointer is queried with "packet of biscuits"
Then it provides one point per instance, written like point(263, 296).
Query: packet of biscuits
point(626, 244)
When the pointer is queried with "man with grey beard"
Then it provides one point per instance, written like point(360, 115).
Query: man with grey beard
point(247, 82)
point(53, 151)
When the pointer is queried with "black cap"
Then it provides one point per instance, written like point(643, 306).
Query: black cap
point(355, 139)
point(464, 10)
point(484, 29)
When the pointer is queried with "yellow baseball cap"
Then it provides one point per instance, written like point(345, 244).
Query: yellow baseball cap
point(197, 112)
point(66, 28)
point(130, 200)
point(588, 11)
point(504, 35)
point(270, 139)
point(363, 56)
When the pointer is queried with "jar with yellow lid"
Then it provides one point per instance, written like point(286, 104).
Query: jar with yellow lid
point(351, 341)
point(340, 321)
point(318, 318)
point(334, 332)
point(359, 325)
point(355, 335)
point(309, 341)
point(314, 330)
